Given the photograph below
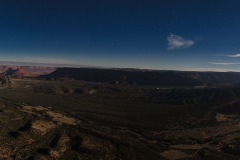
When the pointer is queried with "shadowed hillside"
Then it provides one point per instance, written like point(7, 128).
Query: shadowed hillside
point(145, 77)
point(215, 77)
point(120, 76)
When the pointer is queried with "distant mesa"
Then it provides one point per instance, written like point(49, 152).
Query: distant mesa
point(16, 73)
point(25, 71)
point(6, 77)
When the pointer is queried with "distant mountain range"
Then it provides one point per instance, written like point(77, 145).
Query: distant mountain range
point(13, 63)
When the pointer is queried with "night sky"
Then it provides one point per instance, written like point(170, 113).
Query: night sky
point(153, 34)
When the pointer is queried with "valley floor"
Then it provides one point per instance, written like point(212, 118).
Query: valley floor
point(79, 120)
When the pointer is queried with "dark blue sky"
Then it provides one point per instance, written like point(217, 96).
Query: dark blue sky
point(159, 34)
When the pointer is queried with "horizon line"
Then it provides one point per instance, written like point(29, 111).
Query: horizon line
point(19, 63)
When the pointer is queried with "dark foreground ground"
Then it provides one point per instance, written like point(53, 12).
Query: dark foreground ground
point(78, 120)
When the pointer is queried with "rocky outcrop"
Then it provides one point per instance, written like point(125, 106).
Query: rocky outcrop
point(6, 82)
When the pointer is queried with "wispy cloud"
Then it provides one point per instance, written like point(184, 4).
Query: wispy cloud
point(223, 63)
point(178, 42)
point(233, 55)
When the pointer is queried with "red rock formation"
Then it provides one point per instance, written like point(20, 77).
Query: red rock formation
point(19, 72)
